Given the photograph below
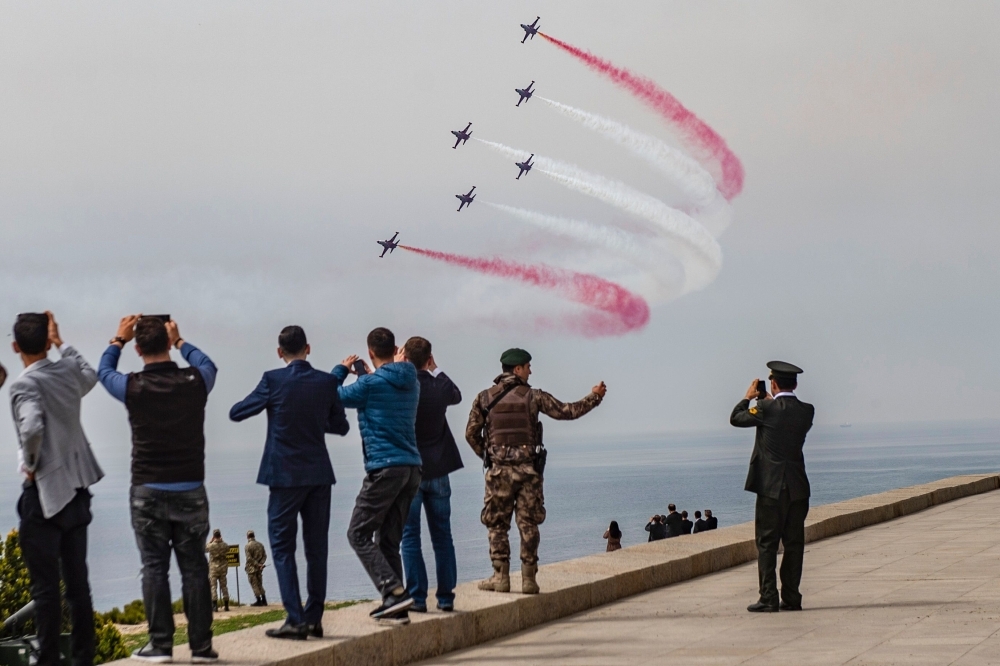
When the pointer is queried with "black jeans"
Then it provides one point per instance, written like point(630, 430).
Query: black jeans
point(177, 521)
point(376, 527)
point(47, 543)
point(785, 521)
point(283, 509)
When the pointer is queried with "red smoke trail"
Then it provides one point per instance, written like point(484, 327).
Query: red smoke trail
point(691, 126)
point(618, 310)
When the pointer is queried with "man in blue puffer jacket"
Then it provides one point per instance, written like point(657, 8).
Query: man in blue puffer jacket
point(386, 400)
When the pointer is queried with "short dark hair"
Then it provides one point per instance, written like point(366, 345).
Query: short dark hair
point(382, 343)
point(786, 383)
point(708, 512)
point(292, 340)
point(31, 332)
point(506, 368)
point(151, 336)
point(671, 507)
point(418, 351)
point(697, 514)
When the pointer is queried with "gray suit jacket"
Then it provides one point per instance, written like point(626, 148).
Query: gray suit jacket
point(45, 400)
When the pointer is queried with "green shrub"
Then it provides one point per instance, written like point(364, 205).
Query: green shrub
point(15, 592)
point(132, 613)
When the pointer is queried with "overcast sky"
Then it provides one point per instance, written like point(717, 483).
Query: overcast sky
point(233, 164)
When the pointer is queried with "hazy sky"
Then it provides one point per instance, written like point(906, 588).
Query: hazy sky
point(233, 164)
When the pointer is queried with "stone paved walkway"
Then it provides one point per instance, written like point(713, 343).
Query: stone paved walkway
point(924, 589)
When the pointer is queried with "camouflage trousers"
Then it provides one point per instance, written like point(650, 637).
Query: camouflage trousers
point(218, 578)
point(257, 583)
point(517, 490)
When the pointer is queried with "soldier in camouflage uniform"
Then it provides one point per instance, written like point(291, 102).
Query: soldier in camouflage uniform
point(218, 568)
point(503, 429)
point(256, 556)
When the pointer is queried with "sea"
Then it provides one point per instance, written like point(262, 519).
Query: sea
point(588, 483)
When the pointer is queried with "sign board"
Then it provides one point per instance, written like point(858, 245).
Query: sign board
point(233, 556)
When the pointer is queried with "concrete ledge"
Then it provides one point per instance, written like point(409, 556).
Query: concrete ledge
point(568, 587)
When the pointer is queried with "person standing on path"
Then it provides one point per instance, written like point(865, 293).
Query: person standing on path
point(168, 502)
point(440, 457)
point(58, 467)
point(656, 528)
point(386, 400)
point(302, 408)
point(778, 476)
point(504, 430)
point(256, 557)
point(711, 522)
point(686, 525)
point(672, 521)
point(699, 524)
point(614, 536)
point(218, 569)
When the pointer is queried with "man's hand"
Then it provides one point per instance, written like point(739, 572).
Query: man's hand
point(54, 330)
point(173, 333)
point(399, 356)
point(431, 365)
point(126, 327)
point(600, 389)
point(752, 391)
point(351, 360)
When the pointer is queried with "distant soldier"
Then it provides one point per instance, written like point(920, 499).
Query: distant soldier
point(218, 568)
point(504, 430)
point(256, 557)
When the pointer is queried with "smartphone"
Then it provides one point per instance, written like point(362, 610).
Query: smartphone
point(163, 318)
point(761, 388)
point(359, 367)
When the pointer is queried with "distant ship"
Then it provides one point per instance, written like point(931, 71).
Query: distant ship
point(845, 425)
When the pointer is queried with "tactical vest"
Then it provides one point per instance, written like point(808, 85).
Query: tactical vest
point(512, 430)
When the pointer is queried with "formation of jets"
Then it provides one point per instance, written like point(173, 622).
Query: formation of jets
point(462, 135)
point(389, 245)
point(530, 30)
point(525, 93)
point(466, 199)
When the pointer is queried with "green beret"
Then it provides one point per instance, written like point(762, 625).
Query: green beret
point(515, 356)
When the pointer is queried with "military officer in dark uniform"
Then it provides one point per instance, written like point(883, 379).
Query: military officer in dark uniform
point(778, 476)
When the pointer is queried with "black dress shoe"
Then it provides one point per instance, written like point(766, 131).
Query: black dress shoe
point(315, 630)
point(789, 607)
point(288, 631)
point(762, 608)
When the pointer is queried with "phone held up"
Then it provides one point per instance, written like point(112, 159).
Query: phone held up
point(164, 318)
point(359, 368)
point(761, 389)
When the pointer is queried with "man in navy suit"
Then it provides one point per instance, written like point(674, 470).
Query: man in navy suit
point(302, 405)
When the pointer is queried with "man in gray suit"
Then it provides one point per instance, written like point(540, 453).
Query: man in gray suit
point(58, 467)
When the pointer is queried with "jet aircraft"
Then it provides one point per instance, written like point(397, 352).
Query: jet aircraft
point(524, 167)
point(525, 93)
point(461, 136)
point(530, 30)
point(466, 199)
point(388, 245)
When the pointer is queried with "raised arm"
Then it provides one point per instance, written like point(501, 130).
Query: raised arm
point(354, 396)
point(453, 395)
point(113, 381)
point(87, 376)
point(567, 411)
point(198, 359)
point(253, 404)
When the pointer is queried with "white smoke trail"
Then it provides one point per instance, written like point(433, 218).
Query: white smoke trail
point(669, 222)
point(649, 253)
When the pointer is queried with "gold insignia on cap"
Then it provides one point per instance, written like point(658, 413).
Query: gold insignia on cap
point(753, 410)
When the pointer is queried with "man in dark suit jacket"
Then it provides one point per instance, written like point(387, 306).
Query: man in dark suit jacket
point(657, 530)
point(699, 524)
point(778, 476)
point(302, 405)
point(673, 521)
point(686, 524)
point(440, 458)
point(711, 522)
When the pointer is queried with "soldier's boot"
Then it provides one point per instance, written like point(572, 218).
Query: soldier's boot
point(216, 603)
point(500, 582)
point(227, 604)
point(256, 601)
point(528, 584)
point(263, 599)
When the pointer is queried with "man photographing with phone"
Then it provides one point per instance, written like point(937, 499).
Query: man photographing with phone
point(778, 476)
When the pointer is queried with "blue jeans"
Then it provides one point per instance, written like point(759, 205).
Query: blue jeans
point(283, 508)
point(435, 496)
